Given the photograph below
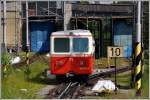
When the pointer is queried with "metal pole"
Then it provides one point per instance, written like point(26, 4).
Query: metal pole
point(27, 71)
point(0, 36)
point(138, 36)
point(87, 21)
point(142, 43)
point(76, 27)
point(5, 22)
point(16, 34)
point(49, 8)
point(4, 27)
point(65, 26)
point(133, 51)
point(115, 75)
point(36, 8)
point(138, 53)
point(19, 26)
point(0, 48)
point(27, 26)
point(56, 20)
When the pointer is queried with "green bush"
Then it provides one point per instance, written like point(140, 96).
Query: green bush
point(5, 58)
point(5, 64)
point(146, 54)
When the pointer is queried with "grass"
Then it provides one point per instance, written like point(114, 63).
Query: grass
point(105, 62)
point(145, 80)
point(15, 86)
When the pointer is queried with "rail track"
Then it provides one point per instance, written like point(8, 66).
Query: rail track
point(74, 90)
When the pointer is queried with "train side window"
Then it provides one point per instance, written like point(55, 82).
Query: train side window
point(61, 45)
point(80, 45)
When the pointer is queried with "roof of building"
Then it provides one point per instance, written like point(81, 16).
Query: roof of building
point(72, 32)
point(120, 8)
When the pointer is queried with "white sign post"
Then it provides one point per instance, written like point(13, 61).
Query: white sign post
point(115, 52)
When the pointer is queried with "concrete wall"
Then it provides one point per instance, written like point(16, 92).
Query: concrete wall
point(67, 14)
point(13, 23)
point(13, 28)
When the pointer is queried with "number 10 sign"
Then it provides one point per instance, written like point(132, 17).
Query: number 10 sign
point(115, 51)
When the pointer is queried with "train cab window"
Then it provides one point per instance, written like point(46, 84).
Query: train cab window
point(80, 45)
point(61, 45)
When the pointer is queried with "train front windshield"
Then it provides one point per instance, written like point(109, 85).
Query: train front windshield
point(80, 44)
point(63, 45)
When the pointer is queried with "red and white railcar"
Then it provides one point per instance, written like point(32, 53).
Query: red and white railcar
point(72, 52)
